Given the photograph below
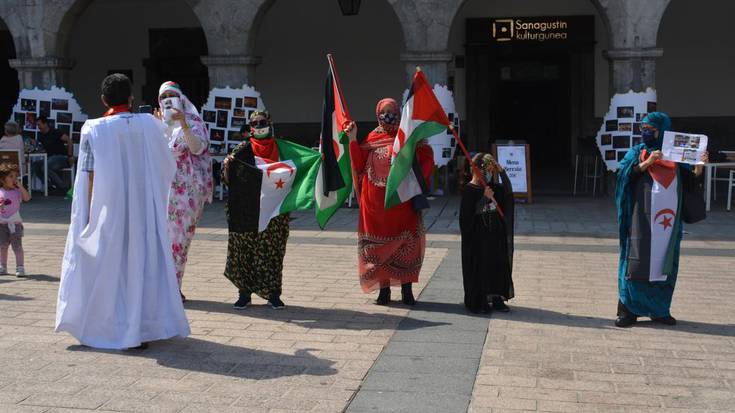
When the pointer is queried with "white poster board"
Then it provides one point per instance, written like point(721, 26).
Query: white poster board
point(684, 147)
point(621, 125)
point(58, 105)
point(443, 144)
point(513, 159)
point(225, 112)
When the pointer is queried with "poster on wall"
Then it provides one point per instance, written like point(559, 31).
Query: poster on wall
point(621, 127)
point(226, 111)
point(56, 104)
point(443, 144)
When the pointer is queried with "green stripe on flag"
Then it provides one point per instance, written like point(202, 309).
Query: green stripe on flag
point(307, 163)
point(345, 169)
point(403, 163)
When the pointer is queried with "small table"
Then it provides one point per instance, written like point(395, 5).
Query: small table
point(708, 178)
point(219, 159)
point(44, 158)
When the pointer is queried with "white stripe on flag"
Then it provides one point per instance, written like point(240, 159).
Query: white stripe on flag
point(277, 181)
point(663, 200)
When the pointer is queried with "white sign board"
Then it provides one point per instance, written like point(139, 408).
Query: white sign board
point(225, 112)
point(684, 147)
point(443, 145)
point(513, 159)
point(59, 106)
point(621, 127)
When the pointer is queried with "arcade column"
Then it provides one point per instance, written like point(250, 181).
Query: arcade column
point(42, 72)
point(231, 70)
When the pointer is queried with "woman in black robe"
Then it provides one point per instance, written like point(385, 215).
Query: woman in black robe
point(486, 223)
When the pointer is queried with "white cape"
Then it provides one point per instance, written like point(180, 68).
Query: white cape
point(118, 280)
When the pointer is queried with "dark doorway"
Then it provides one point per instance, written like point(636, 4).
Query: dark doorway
point(8, 76)
point(537, 91)
point(175, 54)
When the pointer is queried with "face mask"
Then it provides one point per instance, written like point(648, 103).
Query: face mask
point(648, 136)
point(168, 105)
point(388, 118)
point(261, 133)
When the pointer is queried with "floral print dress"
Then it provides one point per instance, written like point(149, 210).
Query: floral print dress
point(190, 190)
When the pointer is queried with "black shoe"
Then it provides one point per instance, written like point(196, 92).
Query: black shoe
point(384, 296)
point(142, 346)
point(499, 305)
point(668, 320)
point(276, 303)
point(407, 294)
point(242, 302)
point(625, 320)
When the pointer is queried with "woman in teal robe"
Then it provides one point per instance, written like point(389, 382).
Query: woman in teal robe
point(648, 265)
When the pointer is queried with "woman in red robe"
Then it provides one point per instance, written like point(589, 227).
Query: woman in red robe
point(391, 242)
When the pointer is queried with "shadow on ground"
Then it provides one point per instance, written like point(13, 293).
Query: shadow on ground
point(321, 318)
point(202, 356)
point(540, 316)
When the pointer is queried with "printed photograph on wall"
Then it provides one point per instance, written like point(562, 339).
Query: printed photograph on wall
point(222, 103)
point(250, 102)
point(611, 125)
point(626, 111)
point(620, 142)
point(606, 139)
point(28, 105)
point(63, 117)
point(59, 104)
point(209, 116)
point(222, 118)
point(44, 108)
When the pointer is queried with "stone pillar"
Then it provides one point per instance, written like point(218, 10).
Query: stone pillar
point(42, 72)
point(231, 70)
point(633, 27)
point(632, 69)
point(433, 64)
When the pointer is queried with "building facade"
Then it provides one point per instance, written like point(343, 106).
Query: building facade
point(549, 85)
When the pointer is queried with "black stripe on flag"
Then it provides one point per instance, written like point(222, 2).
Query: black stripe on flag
point(331, 175)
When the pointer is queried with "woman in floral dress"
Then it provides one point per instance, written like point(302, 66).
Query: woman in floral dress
point(192, 185)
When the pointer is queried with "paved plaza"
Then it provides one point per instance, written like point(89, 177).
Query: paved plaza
point(333, 350)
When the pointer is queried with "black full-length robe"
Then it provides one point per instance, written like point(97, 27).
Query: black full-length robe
point(487, 244)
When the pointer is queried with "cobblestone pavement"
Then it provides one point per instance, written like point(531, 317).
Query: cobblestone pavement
point(556, 351)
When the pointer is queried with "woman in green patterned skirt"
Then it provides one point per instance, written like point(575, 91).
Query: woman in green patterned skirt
point(254, 259)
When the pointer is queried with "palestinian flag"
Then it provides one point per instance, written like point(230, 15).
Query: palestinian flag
point(422, 117)
point(334, 181)
point(275, 187)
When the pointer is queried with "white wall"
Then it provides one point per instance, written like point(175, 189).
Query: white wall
point(513, 8)
point(113, 34)
point(696, 75)
point(296, 36)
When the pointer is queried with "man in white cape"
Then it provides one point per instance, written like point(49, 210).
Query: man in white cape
point(118, 281)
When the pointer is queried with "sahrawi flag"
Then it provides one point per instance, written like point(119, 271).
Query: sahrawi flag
point(422, 117)
point(286, 185)
point(334, 181)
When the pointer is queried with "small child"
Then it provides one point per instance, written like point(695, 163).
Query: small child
point(12, 194)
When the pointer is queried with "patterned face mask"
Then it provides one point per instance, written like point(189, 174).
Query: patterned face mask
point(388, 118)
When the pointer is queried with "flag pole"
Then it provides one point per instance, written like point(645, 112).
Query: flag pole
point(333, 68)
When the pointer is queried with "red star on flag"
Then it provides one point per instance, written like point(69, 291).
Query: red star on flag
point(666, 222)
point(279, 184)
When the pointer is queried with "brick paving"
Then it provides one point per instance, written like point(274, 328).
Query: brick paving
point(556, 351)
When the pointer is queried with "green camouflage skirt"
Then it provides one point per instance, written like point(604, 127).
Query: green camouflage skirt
point(255, 259)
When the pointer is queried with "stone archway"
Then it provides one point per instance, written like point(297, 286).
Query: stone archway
point(367, 50)
point(165, 42)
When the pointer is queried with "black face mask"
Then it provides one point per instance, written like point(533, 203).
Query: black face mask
point(648, 136)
